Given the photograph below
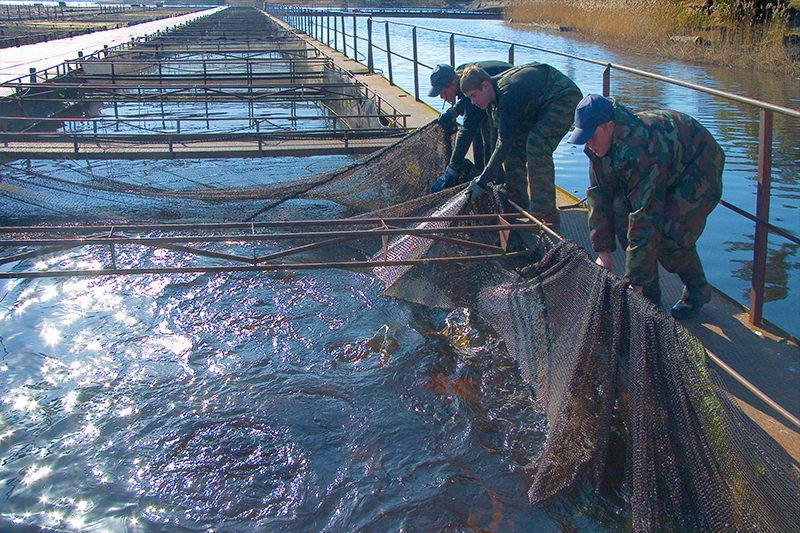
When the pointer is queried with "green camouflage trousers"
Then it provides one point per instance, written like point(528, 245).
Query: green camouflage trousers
point(529, 167)
point(685, 220)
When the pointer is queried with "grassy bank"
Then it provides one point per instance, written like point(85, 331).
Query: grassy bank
point(730, 32)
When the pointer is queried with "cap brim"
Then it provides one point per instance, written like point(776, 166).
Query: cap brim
point(435, 91)
point(581, 136)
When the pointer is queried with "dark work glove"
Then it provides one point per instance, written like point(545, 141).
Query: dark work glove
point(446, 180)
point(448, 123)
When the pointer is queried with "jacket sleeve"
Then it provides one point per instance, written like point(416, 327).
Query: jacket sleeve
point(601, 212)
point(472, 121)
point(508, 112)
point(646, 178)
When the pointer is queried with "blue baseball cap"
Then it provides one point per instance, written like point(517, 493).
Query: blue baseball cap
point(591, 112)
point(441, 77)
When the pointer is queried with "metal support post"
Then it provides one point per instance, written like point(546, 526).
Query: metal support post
point(370, 62)
point(762, 214)
point(355, 38)
point(452, 50)
point(389, 55)
point(416, 63)
point(344, 35)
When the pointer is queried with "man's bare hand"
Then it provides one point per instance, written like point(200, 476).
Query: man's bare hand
point(604, 260)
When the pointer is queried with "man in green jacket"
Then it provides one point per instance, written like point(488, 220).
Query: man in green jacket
point(476, 130)
point(654, 179)
point(533, 107)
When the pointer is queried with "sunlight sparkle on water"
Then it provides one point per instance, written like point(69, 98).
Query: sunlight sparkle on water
point(99, 475)
point(24, 403)
point(94, 346)
point(51, 335)
point(82, 343)
point(89, 265)
point(76, 522)
point(90, 431)
point(71, 317)
point(48, 293)
point(35, 473)
point(70, 400)
point(88, 294)
point(125, 318)
point(22, 304)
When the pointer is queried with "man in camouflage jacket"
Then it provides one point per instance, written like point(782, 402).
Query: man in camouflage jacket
point(533, 107)
point(654, 179)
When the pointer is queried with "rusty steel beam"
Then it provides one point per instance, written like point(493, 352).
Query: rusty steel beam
point(346, 265)
point(105, 236)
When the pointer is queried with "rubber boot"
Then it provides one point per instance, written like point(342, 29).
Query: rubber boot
point(691, 301)
point(696, 291)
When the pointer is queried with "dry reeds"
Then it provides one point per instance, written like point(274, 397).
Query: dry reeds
point(610, 20)
point(734, 32)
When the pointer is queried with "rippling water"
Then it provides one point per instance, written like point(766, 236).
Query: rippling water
point(259, 402)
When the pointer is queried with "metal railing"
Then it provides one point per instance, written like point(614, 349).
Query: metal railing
point(317, 24)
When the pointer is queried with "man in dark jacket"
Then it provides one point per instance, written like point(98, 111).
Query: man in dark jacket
point(476, 130)
point(533, 107)
point(655, 177)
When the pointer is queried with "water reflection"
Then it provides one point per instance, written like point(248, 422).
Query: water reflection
point(781, 260)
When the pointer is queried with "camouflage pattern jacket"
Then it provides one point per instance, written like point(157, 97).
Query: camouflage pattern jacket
point(644, 180)
point(521, 93)
point(473, 115)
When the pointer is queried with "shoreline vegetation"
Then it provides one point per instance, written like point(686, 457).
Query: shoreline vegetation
point(761, 35)
point(754, 34)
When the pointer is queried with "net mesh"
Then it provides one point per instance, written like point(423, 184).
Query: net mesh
point(634, 414)
point(401, 171)
point(633, 411)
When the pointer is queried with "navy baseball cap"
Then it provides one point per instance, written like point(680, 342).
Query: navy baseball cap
point(441, 77)
point(591, 112)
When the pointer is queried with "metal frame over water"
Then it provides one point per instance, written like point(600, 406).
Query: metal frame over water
point(247, 245)
point(244, 62)
point(189, 239)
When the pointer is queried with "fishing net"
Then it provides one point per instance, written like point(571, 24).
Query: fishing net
point(403, 170)
point(634, 414)
point(633, 411)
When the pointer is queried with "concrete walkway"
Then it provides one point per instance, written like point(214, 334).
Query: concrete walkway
point(17, 62)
